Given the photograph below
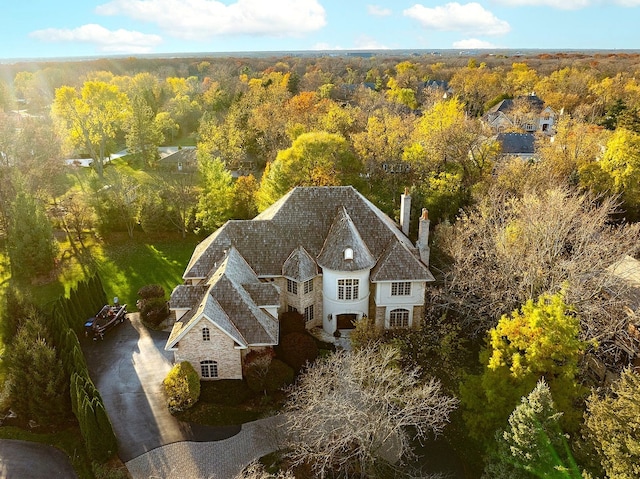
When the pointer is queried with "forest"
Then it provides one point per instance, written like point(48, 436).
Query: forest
point(530, 324)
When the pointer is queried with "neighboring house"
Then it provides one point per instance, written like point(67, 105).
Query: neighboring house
point(439, 87)
point(326, 252)
point(526, 113)
point(182, 160)
point(519, 145)
point(627, 270)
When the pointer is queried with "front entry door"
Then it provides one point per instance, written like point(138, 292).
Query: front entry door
point(347, 321)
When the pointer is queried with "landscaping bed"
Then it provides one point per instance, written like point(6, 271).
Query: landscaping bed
point(230, 402)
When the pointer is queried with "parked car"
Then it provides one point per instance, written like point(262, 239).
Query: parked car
point(107, 318)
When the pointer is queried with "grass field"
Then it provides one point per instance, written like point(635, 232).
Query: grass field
point(124, 265)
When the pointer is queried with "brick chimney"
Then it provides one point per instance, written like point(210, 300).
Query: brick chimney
point(423, 237)
point(405, 211)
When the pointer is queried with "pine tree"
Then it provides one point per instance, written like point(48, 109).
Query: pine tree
point(613, 424)
point(533, 445)
point(31, 245)
point(37, 383)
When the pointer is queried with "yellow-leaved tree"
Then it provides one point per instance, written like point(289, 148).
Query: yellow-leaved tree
point(539, 340)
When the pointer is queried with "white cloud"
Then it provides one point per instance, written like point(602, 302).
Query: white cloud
point(365, 42)
point(326, 46)
point(469, 18)
point(378, 11)
point(569, 4)
point(200, 19)
point(474, 44)
point(114, 41)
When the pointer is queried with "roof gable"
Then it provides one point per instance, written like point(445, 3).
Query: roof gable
point(300, 266)
point(230, 303)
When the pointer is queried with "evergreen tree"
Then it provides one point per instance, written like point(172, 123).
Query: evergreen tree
point(37, 381)
point(533, 445)
point(31, 245)
point(613, 424)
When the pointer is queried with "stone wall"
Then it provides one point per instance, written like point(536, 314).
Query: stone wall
point(219, 348)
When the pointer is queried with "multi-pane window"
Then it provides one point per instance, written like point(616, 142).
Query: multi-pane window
point(399, 318)
point(308, 286)
point(209, 369)
point(401, 288)
point(292, 309)
point(292, 286)
point(348, 289)
point(206, 334)
point(308, 313)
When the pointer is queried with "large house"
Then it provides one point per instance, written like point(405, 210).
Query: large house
point(326, 252)
point(526, 113)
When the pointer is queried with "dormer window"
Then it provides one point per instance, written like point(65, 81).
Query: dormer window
point(348, 254)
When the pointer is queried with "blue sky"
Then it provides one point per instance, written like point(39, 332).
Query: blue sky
point(42, 28)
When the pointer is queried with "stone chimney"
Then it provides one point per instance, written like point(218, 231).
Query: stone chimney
point(405, 211)
point(423, 237)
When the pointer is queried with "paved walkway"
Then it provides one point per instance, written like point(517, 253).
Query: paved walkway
point(209, 460)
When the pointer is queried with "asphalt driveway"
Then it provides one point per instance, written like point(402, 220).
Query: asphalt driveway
point(128, 367)
point(29, 460)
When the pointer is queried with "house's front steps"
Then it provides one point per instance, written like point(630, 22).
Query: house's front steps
point(341, 343)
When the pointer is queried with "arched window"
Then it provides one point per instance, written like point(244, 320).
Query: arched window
point(206, 334)
point(348, 254)
point(399, 318)
point(209, 369)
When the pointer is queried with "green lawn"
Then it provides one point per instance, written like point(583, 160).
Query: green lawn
point(130, 264)
point(124, 265)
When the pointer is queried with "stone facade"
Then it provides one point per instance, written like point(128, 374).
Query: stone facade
point(219, 348)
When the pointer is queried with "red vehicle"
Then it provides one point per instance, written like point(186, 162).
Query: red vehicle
point(107, 318)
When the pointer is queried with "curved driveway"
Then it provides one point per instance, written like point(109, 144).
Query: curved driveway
point(128, 367)
point(30, 460)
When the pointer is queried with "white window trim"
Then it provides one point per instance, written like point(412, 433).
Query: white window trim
point(348, 289)
point(401, 288)
point(408, 315)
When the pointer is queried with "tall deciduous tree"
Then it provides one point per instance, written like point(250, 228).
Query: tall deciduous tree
point(539, 340)
point(143, 133)
point(621, 167)
point(613, 423)
point(117, 204)
point(214, 203)
point(350, 412)
point(179, 193)
point(90, 118)
point(510, 249)
point(244, 197)
point(314, 159)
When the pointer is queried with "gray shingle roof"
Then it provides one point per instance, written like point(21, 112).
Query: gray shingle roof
point(185, 296)
point(343, 234)
point(300, 218)
point(517, 143)
point(399, 264)
point(186, 156)
point(285, 239)
point(300, 266)
point(229, 301)
point(263, 294)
